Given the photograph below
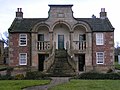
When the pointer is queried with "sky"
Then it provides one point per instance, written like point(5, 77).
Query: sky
point(39, 9)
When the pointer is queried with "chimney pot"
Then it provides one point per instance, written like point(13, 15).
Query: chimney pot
point(19, 13)
point(102, 9)
point(20, 9)
point(103, 14)
point(17, 9)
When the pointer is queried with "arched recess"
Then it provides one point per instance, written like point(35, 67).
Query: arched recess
point(80, 31)
point(82, 24)
point(38, 25)
point(61, 22)
point(82, 42)
point(61, 35)
point(40, 42)
point(43, 29)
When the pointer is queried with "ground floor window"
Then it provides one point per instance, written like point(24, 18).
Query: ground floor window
point(100, 57)
point(23, 59)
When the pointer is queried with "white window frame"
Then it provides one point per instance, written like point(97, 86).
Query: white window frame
point(22, 37)
point(99, 39)
point(22, 58)
point(100, 57)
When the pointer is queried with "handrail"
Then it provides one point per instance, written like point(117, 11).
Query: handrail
point(70, 58)
point(50, 60)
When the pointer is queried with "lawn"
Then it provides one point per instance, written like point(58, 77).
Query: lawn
point(89, 85)
point(19, 84)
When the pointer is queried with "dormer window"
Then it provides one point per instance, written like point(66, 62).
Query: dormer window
point(23, 40)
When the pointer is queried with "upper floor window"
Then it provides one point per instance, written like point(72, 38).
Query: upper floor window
point(100, 57)
point(99, 39)
point(82, 37)
point(40, 37)
point(23, 59)
point(23, 39)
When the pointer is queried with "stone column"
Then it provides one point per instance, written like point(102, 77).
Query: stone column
point(71, 40)
point(88, 55)
point(51, 39)
point(34, 51)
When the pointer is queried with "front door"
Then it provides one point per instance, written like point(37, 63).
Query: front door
point(41, 58)
point(60, 41)
point(81, 59)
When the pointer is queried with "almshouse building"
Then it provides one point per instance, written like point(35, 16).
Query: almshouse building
point(62, 43)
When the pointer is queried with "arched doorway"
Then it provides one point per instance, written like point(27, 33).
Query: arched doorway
point(61, 35)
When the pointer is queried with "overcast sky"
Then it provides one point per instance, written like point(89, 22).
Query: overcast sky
point(39, 9)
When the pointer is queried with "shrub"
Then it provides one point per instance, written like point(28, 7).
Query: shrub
point(95, 75)
point(4, 68)
point(9, 70)
point(19, 77)
point(34, 75)
point(6, 77)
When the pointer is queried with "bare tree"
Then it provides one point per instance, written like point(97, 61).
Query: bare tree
point(4, 37)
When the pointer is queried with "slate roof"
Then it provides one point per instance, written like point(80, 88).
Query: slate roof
point(26, 24)
point(98, 24)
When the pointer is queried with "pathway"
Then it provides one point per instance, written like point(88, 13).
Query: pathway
point(55, 81)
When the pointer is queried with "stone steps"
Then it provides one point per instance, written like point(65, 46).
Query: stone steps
point(61, 67)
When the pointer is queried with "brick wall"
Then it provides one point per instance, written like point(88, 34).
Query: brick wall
point(15, 49)
point(107, 48)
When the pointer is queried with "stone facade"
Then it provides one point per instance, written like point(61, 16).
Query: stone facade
point(62, 31)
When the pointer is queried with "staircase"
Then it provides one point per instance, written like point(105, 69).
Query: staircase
point(61, 67)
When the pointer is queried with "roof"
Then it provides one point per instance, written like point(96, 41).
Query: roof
point(26, 24)
point(98, 24)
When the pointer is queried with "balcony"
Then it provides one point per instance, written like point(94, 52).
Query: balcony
point(43, 45)
point(81, 46)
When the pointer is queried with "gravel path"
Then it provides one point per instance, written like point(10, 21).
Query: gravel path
point(55, 81)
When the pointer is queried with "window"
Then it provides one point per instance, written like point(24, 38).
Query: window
point(23, 39)
point(40, 37)
point(99, 39)
point(82, 37)
point(100, 57)
point(23, 59)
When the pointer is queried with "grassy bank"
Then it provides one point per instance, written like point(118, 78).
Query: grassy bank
point(18, 84)
point(89, 85)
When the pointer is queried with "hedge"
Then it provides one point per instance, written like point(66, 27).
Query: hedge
point(95, 75)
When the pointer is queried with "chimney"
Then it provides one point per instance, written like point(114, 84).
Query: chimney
point(103, 14)
point(19, 13)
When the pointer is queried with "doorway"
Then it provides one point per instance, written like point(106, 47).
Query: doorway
point(41, 58)
point(60, 41)
point(81, 59)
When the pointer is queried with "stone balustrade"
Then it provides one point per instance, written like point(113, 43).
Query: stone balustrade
point(43, 45)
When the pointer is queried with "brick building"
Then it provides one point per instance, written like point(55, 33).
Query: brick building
point(62, 43)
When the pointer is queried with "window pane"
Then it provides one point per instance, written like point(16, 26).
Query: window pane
point(23, 40)
point(100, 57)
point(23, 59)
point(99, 39)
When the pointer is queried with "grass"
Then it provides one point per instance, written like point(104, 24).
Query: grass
point(19, 84)
point(89, 85)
